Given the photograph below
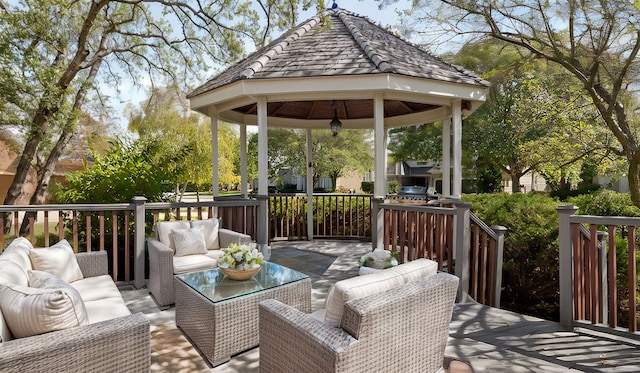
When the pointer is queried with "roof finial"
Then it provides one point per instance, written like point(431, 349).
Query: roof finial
point(334, 5)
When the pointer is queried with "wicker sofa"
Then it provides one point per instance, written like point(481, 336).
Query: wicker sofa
point(166, 258)
point(102, 335)
point(401, 329)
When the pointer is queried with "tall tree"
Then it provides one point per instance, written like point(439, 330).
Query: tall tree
point(55, 55)
point(596, 42)
point(165, 118)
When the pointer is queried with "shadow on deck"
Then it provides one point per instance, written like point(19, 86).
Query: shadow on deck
point(492, 340)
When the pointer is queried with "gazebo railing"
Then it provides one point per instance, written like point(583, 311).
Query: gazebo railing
point(597, 287)
point(453, 237)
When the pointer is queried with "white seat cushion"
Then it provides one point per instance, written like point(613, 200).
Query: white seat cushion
point(211, 236)
point(214, 254)
point(189, 241)
point(106, 309)
point(96, 287)
point(164, 228)
point(59, 260)
point(190, 263)
point(357, 287)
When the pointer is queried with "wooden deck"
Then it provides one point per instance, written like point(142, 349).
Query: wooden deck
point(490, 339)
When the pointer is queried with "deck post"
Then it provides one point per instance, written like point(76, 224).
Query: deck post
point(500, 231)
point(139, 243)
point(566, 265)
point(603, 279)
point(461, 247)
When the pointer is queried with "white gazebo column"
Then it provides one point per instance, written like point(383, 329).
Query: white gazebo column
point(380, 177)
point(243, 161)
point(309, 186)
point(446, 157)
point(214, 155)
point(457, 148)
point(262, 218)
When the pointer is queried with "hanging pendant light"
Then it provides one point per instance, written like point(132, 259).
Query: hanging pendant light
point(335, 122)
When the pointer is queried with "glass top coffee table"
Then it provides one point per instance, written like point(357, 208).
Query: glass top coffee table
point(220, 315)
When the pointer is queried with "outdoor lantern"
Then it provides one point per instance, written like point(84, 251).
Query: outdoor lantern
point(335, 122)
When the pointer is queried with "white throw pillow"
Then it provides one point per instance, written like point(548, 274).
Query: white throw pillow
point(211, 227)
point(30, 311)
point(59, 260)
point(189, 241)
point(164, 228)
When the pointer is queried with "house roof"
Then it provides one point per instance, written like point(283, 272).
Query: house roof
point(346, 55)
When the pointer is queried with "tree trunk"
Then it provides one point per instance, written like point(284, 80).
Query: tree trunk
point(515, 182)
point(44, 173)
point(40, 125)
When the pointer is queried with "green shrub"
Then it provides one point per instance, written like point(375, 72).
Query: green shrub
point(367, 187)
point(530, 266)
point(605, 202)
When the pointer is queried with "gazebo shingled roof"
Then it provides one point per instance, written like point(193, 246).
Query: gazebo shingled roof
point(347, 67)
point(351, 45)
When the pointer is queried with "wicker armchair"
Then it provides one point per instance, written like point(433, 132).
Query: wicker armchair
point(399, 330)
point(162, 268)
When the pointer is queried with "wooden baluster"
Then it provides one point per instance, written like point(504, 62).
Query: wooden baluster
point(612, 273)
point(32, 232)
point(114, 244)
point(594, 275)
point(74, 223)
point(578, 293)
point(88, 236)
point(127, 264)
point(633, 291)
point(46, 229)
point(60, 225)
point(101, 227)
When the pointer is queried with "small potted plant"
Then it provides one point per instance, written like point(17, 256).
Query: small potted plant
point(240, 262)
point(377, 260)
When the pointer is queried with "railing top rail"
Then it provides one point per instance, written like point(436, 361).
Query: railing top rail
point(419, 208)
point(69, 207)
point(606, 220)
point(217, 203)
point(482, 225)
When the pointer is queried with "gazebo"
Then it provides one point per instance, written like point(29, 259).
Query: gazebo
point(340, 71)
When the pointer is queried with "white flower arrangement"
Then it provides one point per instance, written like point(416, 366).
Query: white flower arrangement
point(241, 257)
point(379, 259)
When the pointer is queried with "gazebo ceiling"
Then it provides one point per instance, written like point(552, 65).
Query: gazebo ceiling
point(324, 109)
point(347, 61)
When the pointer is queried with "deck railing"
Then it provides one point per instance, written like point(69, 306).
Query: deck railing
point(346, 216)
point(121, 228)
point(453, 237)
point(589, 273)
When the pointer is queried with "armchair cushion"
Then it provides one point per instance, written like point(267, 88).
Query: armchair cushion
point(190, 263)
point(373, 283)
point(189, 241)
point(164, 228)
point(51, 304)
point(59, 260)
point(357, 287)
point(211, 227)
